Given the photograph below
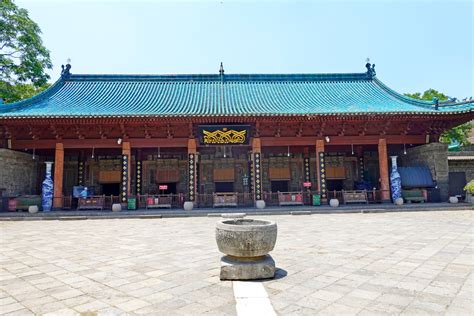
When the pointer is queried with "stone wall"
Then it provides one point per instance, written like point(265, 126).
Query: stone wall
point(435, 156)
point(466, 166)
point(18, 173)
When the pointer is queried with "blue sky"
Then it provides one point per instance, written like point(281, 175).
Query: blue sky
point(415, 45)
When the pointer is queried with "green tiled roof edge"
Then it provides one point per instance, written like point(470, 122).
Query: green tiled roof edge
point(8, 107)
point(426, 107)
point(422, 103)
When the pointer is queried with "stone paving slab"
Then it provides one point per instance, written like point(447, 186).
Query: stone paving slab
point(367, 264)
point(392, 263)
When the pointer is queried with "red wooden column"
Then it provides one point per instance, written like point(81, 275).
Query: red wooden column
point(257, 169)
point(192, 169)
point(126, 161)
point(383, 170)
point(58, 176)
point(321, 169)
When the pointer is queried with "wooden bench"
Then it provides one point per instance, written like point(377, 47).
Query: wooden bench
point(158, 201)
point(356, 196)
point(91, 202)
point(24, 201)
point(413, 195)
point(224, 199)
point(290, 198)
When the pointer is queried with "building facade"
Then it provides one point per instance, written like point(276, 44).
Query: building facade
point(223, 138)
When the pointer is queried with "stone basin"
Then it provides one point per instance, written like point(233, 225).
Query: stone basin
point(246, 238)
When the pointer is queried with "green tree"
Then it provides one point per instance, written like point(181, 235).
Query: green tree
point(458, 134)
point(428, 95)
point(21, 91)
point(23, 58)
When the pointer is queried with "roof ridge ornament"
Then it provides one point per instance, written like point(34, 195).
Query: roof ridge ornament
point(221, 69)
point(370, 69)
point(65, 72)
point(436, 102)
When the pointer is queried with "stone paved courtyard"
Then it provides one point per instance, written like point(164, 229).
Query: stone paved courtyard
point(366, 264)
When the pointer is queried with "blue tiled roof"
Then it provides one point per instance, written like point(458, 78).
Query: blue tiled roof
point(215, 95)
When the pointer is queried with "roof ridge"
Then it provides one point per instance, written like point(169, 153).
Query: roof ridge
point(448, 103)
point(227, 77)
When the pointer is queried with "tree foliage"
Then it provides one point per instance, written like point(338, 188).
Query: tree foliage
point(23, 58)
point(458, 134)
point(21, 91)
point(428, 95)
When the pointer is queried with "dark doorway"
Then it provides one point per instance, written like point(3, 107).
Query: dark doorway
point(337, 185)
point(111, 189)
point(457, 181)
point(171, 188)
point(224, 187)
point(280, 186)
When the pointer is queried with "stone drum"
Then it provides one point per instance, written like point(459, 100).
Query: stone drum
point(246, 243)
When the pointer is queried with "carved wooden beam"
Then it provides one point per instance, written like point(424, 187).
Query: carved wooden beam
point(147, 131)
point(123, 131)
point(365, 127)
point(299, 132)
point(6, 132)
point(56, 132)
point(79, 133)
point(32, 133)
point(407, 128)
point(321, 129)
point(169, 131)
point(257, 129)
point(191, 130)
point(102, 133)
point(385, 128)
point(278, 130)
point(342, 131)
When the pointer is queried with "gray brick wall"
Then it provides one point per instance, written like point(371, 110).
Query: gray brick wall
point(435, 156)
point(18, 173)
point(466, 166)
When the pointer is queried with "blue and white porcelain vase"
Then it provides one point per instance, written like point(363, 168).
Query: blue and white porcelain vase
point(395, 180)
point(47, 189)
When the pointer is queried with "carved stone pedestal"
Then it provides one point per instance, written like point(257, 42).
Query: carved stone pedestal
point(233, 268)
point(246, 243)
